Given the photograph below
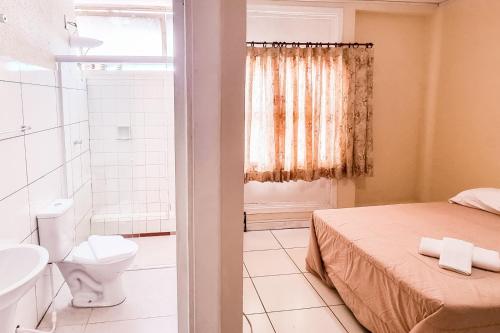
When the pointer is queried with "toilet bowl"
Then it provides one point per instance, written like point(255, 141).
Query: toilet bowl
point(93, 282)
point(93, 269)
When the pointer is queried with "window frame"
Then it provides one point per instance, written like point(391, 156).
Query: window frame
point(159, 13)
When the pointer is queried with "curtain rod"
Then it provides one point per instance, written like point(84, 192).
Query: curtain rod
point(310, 44)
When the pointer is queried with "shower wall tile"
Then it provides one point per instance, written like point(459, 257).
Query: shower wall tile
point(126, 174)
point(44, 152)
point(42, 164)
point(10, 95)
point(12, 169)
point(40, 106)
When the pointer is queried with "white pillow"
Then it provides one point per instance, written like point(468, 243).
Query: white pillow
point(487, 199)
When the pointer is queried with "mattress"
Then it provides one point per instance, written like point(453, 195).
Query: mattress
point(370, 255)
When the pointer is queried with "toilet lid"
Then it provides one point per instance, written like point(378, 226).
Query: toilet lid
point(82, 254)
point(103, 249)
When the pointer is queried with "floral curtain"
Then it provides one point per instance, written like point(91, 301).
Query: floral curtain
point(308, 113)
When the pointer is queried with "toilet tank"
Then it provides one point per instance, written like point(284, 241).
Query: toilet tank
point(56, 229)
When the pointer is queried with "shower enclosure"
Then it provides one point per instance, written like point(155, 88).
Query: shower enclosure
point(131, 135)
point(129, 81)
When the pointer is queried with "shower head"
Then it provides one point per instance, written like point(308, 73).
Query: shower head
point(84, 42)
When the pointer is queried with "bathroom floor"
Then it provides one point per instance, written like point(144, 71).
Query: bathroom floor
point(279, 296)
point(151, 304)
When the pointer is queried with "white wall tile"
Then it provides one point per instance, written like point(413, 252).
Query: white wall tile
point(43, 192)
point(13, 166)
point(138, 166)
point(76, 165)
point(39, 106)
point(15, 222)
point(37, 75)
point(9, 70)
point(40, 164)
point(86, 170)
point(44, 152)
point(11, 114)
point(43, 289)
point(83, 229)
point(83, 202)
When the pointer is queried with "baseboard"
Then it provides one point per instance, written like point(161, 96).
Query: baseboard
point(283, 207)
point(281, 215)
point(282, 224)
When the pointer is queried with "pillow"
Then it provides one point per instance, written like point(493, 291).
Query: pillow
point(487, 199)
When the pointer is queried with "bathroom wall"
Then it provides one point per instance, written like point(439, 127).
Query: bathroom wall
point(131, 135)
point(42, 163)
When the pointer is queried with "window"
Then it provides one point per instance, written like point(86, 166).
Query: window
point(127, 33)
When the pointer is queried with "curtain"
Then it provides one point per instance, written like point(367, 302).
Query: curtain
point(308, 113)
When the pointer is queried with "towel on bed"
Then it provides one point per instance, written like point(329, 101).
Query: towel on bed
point(481, 258)
point(456, 256)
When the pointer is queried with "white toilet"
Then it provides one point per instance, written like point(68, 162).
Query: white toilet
point(92, 269)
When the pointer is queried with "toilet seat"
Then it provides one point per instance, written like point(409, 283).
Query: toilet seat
point(102, 250)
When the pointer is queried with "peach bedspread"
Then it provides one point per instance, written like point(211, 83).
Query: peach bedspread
point(370, 255)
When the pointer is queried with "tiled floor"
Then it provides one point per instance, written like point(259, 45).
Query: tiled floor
point(279, 296)
point(151, 303)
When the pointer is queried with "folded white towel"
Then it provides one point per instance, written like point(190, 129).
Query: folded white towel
point(481, 258)
point(486, 259)
point(456, 256)
point(430, 247)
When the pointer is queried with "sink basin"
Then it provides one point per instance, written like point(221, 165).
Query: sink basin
point(20, 268)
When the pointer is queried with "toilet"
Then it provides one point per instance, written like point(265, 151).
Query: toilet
point(92, 269)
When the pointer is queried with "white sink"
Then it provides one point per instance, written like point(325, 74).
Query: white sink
point(20, 268)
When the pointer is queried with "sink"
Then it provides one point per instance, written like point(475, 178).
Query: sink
point(20, 268)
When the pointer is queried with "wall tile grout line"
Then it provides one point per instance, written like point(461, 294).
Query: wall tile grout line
point(45, 175)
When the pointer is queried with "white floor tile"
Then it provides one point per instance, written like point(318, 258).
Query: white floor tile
point(286, 292)
point(270, 262)
point(251, 301)
point(260, 324)
point(329, 295)
point(150, 293)
point(259, 240)
point(67, 315)
point(318, 320)
point(292, 237)
point(155, 252)
point(347, 319)
point(298, 256)
point(245, 272)
point(150, 325)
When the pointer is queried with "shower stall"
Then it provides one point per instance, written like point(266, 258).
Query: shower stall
point(125, 55)
point(131, 137)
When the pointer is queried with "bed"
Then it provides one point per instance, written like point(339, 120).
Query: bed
point(369, 255)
